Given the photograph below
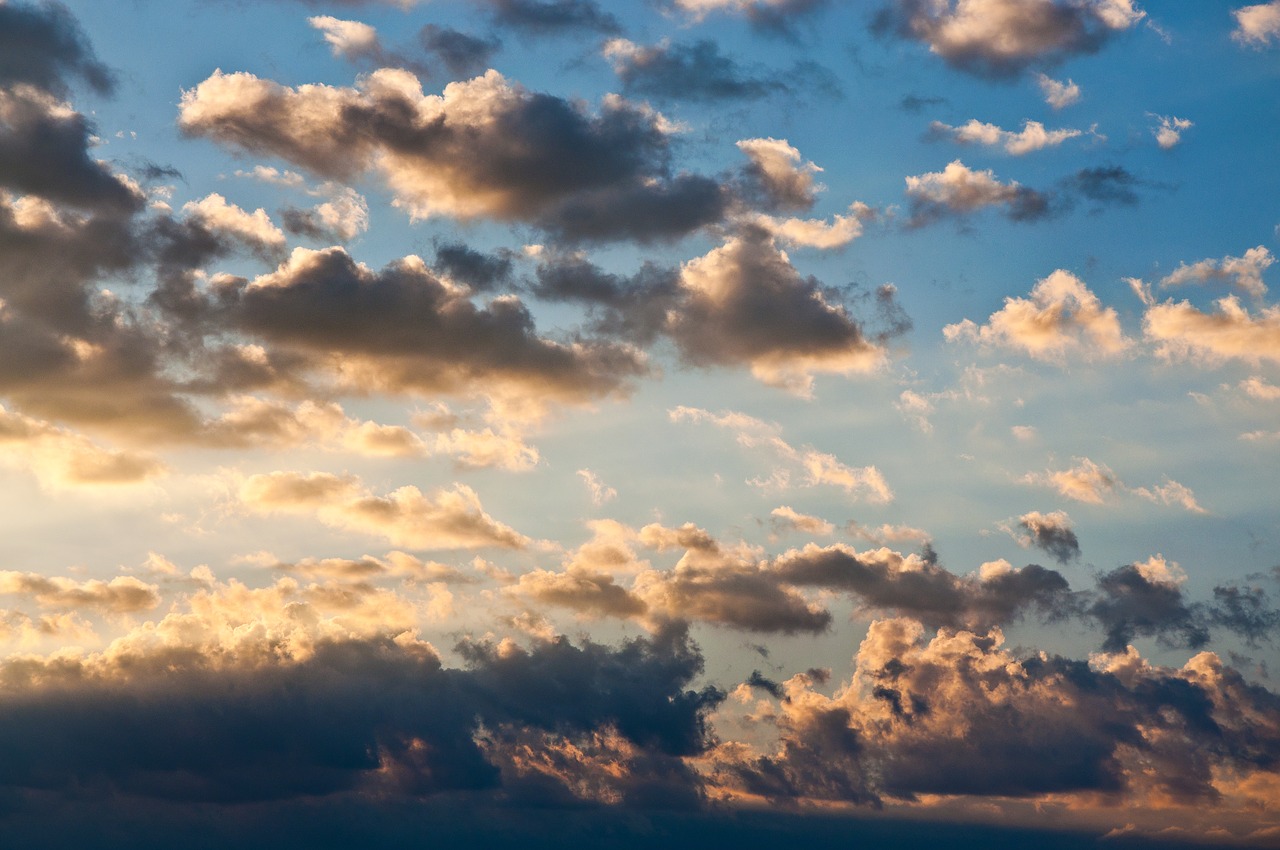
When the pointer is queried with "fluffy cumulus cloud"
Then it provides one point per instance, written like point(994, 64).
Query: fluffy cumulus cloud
point(746, 303)
point(919, 710)
point(483, 148)
point(1257, 25)
point(959, 190)
point(1244, 273)
point(1061, 317)
point(1000, 38)
point(1182, 331)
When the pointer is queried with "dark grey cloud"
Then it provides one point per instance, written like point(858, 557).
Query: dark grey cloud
point(368, 716)
point(642, 212)
point(782, 17)
point(553, 17)
point(404, 329)
point(1052, 533)
point(917, 103)
point(488, 148)
point(482, 272)
point(743, 303)
point(1110, 185)
point(1000, 39)
point(463, 54)
point(695, 71)
point(632, 307)
point(923, 590)
point(44, 150)
point(43, 45)
point(1131, 604)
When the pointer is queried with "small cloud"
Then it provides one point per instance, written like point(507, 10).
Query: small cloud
point(1168, 131)
point(1058, 94)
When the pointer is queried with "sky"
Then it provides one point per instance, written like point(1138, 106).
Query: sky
point(576, 423)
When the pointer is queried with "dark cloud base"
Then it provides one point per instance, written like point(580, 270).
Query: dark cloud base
point(338, 825)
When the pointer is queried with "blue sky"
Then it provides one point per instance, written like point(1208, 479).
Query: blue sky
point(904, 368)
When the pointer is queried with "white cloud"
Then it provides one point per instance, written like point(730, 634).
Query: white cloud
point(1058, 94)
point(1257, 25)
point(1032, 137)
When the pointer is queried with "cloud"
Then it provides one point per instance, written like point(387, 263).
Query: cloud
point(959, 190)
point(782, 180)
point(777, 16)
point(742, 303)
point(1094, 483)
point(44, 151)
point(745, 303)
point(372, 717)
point(1002, 38)
point(343, 217)
point(1169, 131)
point(43, 45)
point(480, 271)
point(120, 595)
point(255, 229)
point(1107, 184)
point(444, 519)
point(817, 233)
point(694, 71)
point(786, 519)
point(818, 468)
point(919, 713)
point(1051, 532)
point(1245, 273)
point(484, 148)
point(1257, 25)
point(552, 17)
point(1032, 137)
point(1061, 317)
point(1184, 332)
point(63, 458)
point(1058, 94)
point(463, 54)
point(405, 329)
point(348, 39)
point(600, 492)
point(1146, 599)
point(733, 587)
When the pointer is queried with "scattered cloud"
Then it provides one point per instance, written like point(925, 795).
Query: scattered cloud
point(959, 190)
point(1061, 317)
point(1056, 93)
point(1257, 25)
point(1094, 483)
point(1032, 137)
point(1002, 38)
point(1169, 130)
point(1244, 273)
point(444, 519)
